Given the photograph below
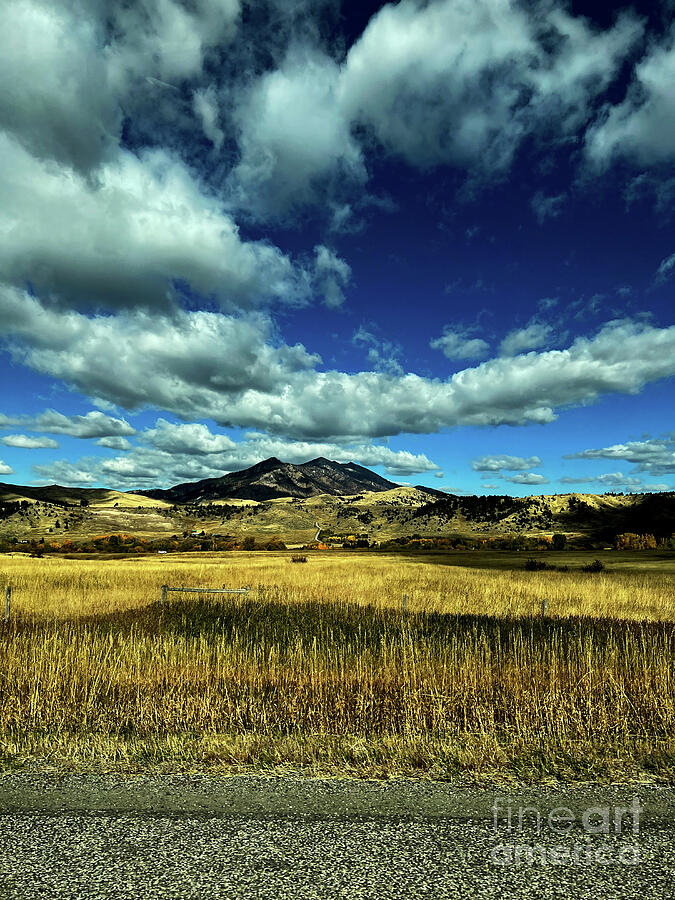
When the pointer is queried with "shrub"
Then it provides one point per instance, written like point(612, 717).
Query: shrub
point(596, 566)
point(535, 565)
point(298, 559)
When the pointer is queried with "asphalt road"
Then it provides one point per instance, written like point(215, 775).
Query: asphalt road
point(244, 837)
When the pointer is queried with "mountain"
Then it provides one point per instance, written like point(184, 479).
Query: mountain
point(273, 478)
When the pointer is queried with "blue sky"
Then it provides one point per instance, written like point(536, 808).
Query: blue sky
point(433, 238)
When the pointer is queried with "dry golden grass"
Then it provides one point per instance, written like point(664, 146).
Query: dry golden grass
point(59, 587)
point(319, 669)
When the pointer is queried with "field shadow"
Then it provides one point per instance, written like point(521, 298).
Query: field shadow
point(314, 625)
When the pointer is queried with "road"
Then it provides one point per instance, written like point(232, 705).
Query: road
point(199, 836)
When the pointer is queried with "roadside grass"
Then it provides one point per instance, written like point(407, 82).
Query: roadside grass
point(318, 669)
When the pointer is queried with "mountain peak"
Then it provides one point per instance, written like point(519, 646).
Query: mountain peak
point(265, 465)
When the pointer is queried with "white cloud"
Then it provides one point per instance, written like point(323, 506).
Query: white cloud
point(200, 365)
point(655, 455)
point(459, 82)
point(383, 355)
point(167, 38)
point(56, 95)
point(5, 469)
point(196, 440)
point(527, 478)
point(26, 442)
point(609, 479)
point(67, 473)
point(331, 276)
point(292, 135)
point(192, 362)
point(123, 239)
point(205, 104)
point(503, 462)
point(193, 440)
point(533, 336)
point(114, 443)
point(71, 69)
point(92, 425)
point(642, 126)
point(465, 81)
point(457, 344)
point(170, 453)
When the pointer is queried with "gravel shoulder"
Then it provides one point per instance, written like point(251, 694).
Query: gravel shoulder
point(178, 836)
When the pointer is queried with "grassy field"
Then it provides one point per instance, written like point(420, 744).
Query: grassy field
point(319, 670)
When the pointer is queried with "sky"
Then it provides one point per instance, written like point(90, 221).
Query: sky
point(435, 238)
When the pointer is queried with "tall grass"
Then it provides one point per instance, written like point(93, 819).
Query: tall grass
point(318, 667)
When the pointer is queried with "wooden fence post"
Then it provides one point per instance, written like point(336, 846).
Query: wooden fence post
point(164, 587)
point(8, 602)
point(544, 607)
point(405, 604)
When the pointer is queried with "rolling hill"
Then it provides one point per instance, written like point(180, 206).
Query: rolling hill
point(290, 501)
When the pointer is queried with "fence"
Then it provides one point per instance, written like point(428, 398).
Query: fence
point(185, 590)
point(245, 590)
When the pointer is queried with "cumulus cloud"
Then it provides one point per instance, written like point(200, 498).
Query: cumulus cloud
point(168, 38)
point(5, 469)
point(457, 344)
point(193, 440)
point(127, 238)
point(642, 126)
point(114, 443)
point(26, 442)
point(527, 478)
point(201, 365)
point(87, 222)
point(459, 82)
point(47, 102)
point(189, 361)
point(196, 440)
point(505, 463)
point(655, 455)
point(67, 473)
point(609, 479)
point(72, 68)
point(464, 82)
point(533, 336)
point(169, 453)
point(292, 135)
point(92, 425)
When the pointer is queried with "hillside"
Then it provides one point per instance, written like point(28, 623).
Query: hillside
point(600, 516)
point(340, 501)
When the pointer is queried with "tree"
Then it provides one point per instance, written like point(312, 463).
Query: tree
point(248, 544)
point(559, 541)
